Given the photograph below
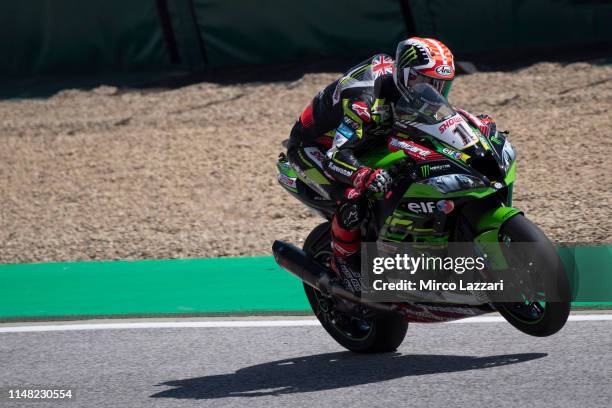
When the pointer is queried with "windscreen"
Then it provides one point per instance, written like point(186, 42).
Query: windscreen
point(423, 104)
point(424, 108)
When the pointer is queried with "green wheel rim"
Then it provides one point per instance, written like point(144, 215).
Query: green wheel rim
point(522, 320)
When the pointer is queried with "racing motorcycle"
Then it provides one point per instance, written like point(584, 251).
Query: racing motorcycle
point(452, 182)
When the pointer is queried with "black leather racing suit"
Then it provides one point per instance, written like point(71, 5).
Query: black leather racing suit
point(348, 117)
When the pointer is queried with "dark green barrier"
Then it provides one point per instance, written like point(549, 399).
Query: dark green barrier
point(69, 37)
point(273, 31)
point(112, 36)
point(184, 26)
point(484, 25)
point(76, 36)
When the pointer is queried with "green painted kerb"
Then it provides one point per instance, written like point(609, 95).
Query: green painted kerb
point(190, 286)
point(208, 286)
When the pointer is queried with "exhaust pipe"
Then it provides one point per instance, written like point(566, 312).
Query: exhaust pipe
point(295, 261)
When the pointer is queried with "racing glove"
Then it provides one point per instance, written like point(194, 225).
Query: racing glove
point(489, 126)
point(376, 181)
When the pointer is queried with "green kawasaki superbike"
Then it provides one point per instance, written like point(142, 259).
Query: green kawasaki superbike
point(451, 184)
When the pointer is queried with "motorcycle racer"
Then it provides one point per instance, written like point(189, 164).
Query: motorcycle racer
point(350, 116)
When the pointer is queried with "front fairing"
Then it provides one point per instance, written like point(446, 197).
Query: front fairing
point(425, 109)
point(426, 117)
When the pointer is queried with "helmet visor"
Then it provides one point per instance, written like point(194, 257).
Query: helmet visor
point(413, 78)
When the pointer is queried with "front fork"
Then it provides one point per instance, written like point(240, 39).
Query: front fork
point(487, 237)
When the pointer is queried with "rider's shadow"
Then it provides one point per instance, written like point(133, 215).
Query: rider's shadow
point(328, 371)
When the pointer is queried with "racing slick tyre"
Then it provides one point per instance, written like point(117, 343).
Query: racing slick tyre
point(378, 335)
point(536, 318)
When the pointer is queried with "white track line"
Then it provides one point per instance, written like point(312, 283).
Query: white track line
point(160, 325)
point(239, 323)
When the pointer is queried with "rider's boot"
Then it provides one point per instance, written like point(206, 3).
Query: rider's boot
point(345, 260)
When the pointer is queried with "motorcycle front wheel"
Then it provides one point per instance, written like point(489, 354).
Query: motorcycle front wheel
point(535, 318)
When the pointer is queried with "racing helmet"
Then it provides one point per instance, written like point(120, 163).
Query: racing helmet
point(423, 60)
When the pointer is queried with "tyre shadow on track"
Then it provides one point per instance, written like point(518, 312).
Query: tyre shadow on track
point(328, 371)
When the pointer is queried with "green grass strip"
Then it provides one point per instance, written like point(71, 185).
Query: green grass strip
point(186, 286)
point(208, 286)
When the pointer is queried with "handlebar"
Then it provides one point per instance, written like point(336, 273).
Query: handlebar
point(403, 165)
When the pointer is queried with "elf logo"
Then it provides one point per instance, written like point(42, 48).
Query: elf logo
point(422, 207)
point(451, 152)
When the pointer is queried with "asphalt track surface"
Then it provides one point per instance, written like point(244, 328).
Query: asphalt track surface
point(480, 364)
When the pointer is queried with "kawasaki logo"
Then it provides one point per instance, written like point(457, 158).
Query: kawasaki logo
point(340, 170)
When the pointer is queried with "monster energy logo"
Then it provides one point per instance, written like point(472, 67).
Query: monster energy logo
point(409, 55)
point(496, 140)
point(425, 170)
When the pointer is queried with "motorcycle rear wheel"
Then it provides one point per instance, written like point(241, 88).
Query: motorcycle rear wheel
point(538, 319)
point(379, 335)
